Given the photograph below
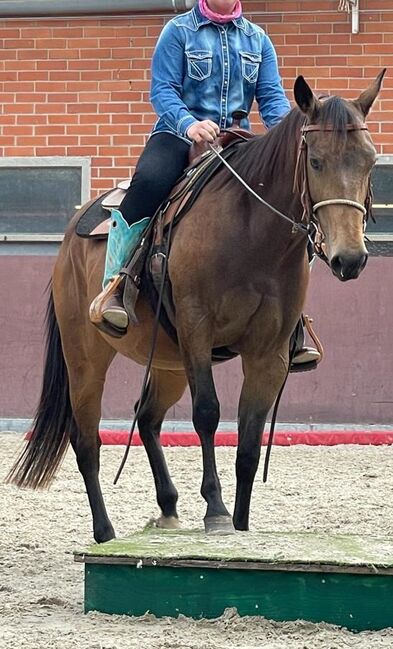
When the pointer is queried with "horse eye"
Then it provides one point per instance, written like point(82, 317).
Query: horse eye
point(315, 163)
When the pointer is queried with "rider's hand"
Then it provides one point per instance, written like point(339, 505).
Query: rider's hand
point(205, 131)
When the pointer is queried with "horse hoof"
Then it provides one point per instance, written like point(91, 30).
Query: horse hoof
point(219, 525)
point(168, 523)
point(164, 523)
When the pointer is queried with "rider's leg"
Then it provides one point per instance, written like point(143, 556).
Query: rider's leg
point(160, 165)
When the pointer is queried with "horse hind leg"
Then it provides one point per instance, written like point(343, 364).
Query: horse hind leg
point(165, 389)
point(87, 369)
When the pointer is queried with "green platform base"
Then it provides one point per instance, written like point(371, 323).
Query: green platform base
point(343, 580)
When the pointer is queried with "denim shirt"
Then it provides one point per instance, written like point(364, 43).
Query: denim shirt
point(204, 70)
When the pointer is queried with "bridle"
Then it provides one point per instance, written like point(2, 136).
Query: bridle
point(309, 224)
point(301, 185)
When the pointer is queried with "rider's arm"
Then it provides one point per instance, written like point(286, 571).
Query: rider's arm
point(272, 101)
point(167, 80)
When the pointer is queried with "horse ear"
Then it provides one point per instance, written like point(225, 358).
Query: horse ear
point(368, 96)
point(305, 98)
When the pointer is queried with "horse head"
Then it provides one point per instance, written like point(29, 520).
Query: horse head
point(336, 156)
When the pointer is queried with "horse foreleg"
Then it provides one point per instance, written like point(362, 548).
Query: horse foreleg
point(205, 416)
point(165, 389)
point(262, 382)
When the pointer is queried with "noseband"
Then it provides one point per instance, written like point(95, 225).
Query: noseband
point(301, 177)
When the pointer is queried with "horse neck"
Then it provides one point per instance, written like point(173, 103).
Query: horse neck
point(274, 169)
point(268, 164)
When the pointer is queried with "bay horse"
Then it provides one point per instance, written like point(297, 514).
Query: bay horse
point(239, 276)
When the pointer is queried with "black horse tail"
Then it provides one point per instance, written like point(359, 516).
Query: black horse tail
point(53, 422)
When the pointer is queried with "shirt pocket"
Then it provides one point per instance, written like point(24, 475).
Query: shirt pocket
point(199, 64)
point(250, 65)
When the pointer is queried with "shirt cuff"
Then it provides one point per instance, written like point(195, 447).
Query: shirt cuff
point(184, 124)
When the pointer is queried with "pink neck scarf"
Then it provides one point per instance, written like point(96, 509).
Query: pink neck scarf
point(220, 18)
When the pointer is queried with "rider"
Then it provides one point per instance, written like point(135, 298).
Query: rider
point(208, 63)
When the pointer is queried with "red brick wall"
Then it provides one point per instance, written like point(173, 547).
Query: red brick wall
point(80, 87)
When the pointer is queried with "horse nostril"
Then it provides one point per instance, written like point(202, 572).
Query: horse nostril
point(364, 261)
point(336, 265)
point(348, 267)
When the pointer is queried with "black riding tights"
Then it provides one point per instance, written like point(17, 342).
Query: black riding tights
point(162, 162)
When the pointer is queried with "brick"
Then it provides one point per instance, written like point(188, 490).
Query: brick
point(9, 33)
point(52, 65)
point(48, 108)
point(32, 119)
point(50, 151)
point(32, 76)
point(99, 140)
point(14, 151)
point(113, 151)
point(17, 108)
point(17, 130)
point(67, 76)
point(113, 129)
point(28, 97)
point(96, 75)
point(117, 173)
point(81, 150)
point(52, 129)
point(31, 141)
point(82, 108)
point(68, 32)
point(82, 129)
point(7, 119)
point(35, 32)
point(94, 96)
point(63, 97)
point(113, 107)
point(62, 118)
point(83, 65)
point(94, 119)
point(34, 55)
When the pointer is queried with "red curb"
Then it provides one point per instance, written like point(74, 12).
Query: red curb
point(281, 438)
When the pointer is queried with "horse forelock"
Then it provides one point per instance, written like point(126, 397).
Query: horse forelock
point(336, 113)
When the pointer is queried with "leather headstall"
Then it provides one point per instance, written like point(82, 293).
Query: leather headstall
point(301, 184)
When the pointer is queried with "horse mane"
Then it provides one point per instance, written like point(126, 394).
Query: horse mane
point(264, 156)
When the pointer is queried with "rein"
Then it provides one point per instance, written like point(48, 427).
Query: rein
point(309, 214)
point(296, 227)
point(301, 185)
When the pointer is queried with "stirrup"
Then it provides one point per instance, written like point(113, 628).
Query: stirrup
point(305, 359)
point(97, 308)
point(308, 358)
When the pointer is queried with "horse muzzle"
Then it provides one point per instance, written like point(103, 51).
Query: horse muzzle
point(347, 266)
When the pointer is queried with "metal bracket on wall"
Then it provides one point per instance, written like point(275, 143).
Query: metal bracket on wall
point(355, 17)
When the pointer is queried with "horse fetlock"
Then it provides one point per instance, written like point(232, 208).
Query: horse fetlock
point(104, 533)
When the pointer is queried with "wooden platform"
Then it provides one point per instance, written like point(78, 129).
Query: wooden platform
point(341, 579)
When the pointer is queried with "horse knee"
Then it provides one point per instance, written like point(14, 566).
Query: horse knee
point(206, 415)
point(87, 449)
